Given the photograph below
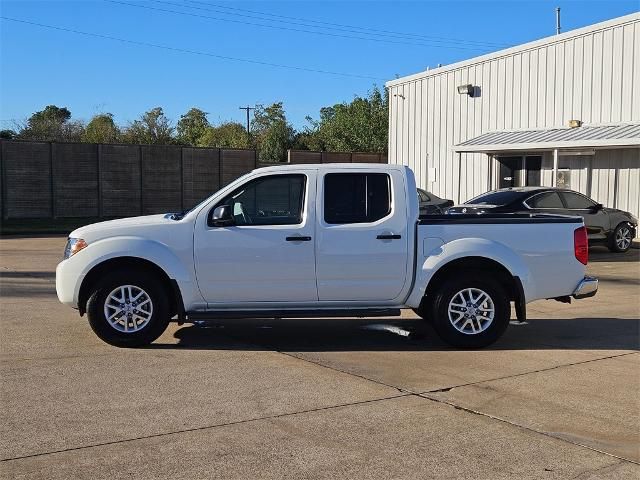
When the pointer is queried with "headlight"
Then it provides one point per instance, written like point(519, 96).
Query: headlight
point(74, 245)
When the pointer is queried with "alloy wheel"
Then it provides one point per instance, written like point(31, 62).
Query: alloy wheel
point(623, 238)
point(471, 311)
point(128, 308)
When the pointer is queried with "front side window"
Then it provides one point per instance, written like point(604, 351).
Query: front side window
point(545, 200)
point(356, 197)
point(273, 200)
point(577, 202)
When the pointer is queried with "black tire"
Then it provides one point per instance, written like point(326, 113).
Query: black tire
point(615, 245)
point(450, 289)
point(156, 324)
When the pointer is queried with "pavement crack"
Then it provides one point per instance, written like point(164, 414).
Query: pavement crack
point(441, 390)
point(522, 427)
point(206, 427)
point(589, 473)
point(319, 364)
point(399, 389)
point(515, 375)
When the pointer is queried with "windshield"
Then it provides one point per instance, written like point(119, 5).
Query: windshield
point(500, 197)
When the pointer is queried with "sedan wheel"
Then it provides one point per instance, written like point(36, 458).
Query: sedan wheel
point(621, 239)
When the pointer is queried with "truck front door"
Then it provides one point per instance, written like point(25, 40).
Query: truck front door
point(362, 237)
point(267, 253)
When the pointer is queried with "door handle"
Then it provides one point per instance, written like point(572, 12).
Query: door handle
point(298, 239)
point(389, 236)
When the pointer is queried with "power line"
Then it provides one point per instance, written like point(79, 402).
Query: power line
point(193, 52)
point(446, 43)
point(275, 27)
point(382, 32)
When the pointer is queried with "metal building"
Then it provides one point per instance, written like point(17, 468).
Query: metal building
point(564, 110)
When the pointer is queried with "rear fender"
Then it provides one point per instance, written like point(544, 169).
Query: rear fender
point(440, 256)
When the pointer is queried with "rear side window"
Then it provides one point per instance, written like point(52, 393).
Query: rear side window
point(545, 200)
point(356, 197)
point(577, 202)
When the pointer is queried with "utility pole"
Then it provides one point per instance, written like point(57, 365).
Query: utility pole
point(248, 109)
point(557, 20)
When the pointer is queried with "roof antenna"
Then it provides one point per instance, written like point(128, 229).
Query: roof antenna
point(557, 20)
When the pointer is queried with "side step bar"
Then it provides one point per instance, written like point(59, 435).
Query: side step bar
point(230, 314)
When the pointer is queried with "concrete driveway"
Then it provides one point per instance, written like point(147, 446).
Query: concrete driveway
point(558, 397)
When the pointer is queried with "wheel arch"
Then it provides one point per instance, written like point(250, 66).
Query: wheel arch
point(127, 262)
point(511, 283)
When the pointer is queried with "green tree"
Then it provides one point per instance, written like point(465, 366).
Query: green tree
point(361, 125)
point(192, 126)
point(52, 124)
point(101, 129)
point(153, 127)
point(272, 132)
point(8, 134)
point(225, 135)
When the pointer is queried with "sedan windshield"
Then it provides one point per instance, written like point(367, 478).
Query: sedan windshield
point(500, 197)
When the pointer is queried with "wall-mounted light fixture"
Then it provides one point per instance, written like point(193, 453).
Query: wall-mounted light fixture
point(466, 90)
point(575, 123)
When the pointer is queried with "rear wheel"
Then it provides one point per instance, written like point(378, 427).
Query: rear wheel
point(621, 238)
point(128, 309)
point(471, 312)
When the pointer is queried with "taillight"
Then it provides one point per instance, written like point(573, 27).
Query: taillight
point(581, 245)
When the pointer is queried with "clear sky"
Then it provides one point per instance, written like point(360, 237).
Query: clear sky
point(371, 41)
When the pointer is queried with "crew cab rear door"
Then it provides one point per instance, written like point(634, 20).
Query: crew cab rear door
point(362, 239)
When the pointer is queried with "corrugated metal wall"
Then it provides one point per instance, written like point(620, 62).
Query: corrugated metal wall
point(589, 74)
point(610, 177)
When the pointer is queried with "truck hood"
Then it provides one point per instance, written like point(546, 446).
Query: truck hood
point(124, 226)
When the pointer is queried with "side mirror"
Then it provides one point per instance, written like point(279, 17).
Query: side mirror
point(597, 207)
point(222, 216)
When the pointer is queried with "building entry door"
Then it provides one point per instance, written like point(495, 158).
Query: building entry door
point(532, 165)
point(509, 170)
point(519, 171)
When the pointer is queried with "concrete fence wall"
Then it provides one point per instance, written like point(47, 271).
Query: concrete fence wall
point(58, 180)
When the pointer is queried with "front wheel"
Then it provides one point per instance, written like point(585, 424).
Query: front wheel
point(621, 238)
point(471, 312)
point(128, 309)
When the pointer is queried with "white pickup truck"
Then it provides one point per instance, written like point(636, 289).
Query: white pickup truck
point(317, 241)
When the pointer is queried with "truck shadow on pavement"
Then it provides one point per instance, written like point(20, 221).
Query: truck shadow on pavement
point(314, 335)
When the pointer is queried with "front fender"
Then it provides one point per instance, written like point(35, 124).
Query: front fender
point(436, 257)
point(178, 264)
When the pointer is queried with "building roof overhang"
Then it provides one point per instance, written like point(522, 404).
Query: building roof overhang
point(594, 137)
